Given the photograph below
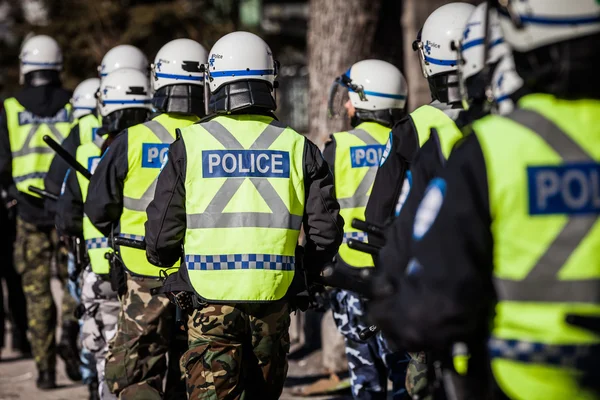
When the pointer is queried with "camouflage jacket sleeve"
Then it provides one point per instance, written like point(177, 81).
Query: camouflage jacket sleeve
point(166, 224)
point(323, 225)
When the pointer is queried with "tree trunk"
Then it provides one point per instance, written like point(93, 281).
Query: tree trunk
point(340, 33)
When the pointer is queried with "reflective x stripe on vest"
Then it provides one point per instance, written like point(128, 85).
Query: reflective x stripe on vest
point(142, 203)
point(565, 243)
point(31, 156)
point(147, 147)
point(88, 155)
point(357, 155)
point(244, 190)
point(214, 217)
point(543, 169)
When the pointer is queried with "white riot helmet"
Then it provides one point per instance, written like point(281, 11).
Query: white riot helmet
point(123, 56)
point(241, 73)
point(39, 53)
point(178, 78)
point(475, 61)
point(124, 99)
point(375, 88)
point(505, 83)
point(530, 24)
point(444, 26)
point(178, 62)
point(84, 99)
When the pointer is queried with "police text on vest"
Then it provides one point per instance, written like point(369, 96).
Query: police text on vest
point(245, 163)
point(153, 154)
point(366, 156)
point(565, 189)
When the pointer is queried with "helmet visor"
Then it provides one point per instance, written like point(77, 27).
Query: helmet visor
point(339, 95)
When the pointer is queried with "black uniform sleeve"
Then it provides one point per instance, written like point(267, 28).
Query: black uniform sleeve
point(58, 168)
point(426, 165)
point(69, 207)
point(390, 175)
point(5, 155)
point(323, 225)
point(166, 224)
point(104, 203)
point(329, 154)
point(447, 293)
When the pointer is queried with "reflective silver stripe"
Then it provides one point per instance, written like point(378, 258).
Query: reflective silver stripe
point(360, 197)
point(214, 217)
point(26, 149)
point(142, 203)
point(542, 284)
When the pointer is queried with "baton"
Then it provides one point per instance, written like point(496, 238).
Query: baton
point(43, 193)
point(370, 228)
point(69, 159)
point(363, 247)
point(126, 242)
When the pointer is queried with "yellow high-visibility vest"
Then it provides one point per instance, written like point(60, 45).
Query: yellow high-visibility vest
point(357, 155)
point(245, 197)
point(543, 170)
point(147, 148)
point(31, 156)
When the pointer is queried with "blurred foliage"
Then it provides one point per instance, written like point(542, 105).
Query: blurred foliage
point(87, 29)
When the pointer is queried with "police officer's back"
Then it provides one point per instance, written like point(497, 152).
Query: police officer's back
point(236, 188)
point(513, 219)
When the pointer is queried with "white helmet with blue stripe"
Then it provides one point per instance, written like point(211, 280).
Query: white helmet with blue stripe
point(531, 24)
point(505, 82)
point(123, 56)
point(123, 89)
point(443, 27)
point(84, 99)
point(240, 56)
point(378, 85)
point(40, 53)
point(179, 62)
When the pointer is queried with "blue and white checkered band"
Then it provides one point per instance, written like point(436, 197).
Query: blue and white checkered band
point(360, 236)
point(567, 356)
point(96, 243)
point(240, 261)
point(133, 237)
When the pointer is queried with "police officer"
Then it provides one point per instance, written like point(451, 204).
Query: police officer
point(439, 66)
point(237, 188)
point(476, 84)
point(377, 94)
point(40, 108)
point(122, 187)
point(504, 240)
point(119, 108)
point(84, 110)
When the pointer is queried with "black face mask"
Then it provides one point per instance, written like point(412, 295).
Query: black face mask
point(43, 78)
point(444, 87)
point(120, 120)
point(182, 99)
point(242, 95)
point(384, 117)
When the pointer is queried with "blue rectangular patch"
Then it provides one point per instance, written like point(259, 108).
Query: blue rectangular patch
point(245, 164)
point(366, 156)
point(565, 189)
point(153, 154)
point(28, 118)
point(93, 163)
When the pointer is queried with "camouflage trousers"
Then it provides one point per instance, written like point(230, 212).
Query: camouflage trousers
point(416, 374)
point(237, 351)
point(34, 250)
point(371, 363)
point(136, 362)
point(99, 322)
